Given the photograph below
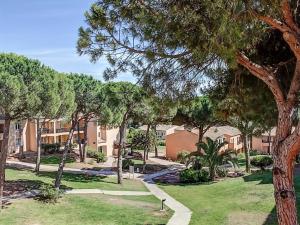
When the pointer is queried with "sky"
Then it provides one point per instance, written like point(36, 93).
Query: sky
point(47, 30)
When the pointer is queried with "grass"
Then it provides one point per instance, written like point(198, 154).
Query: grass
point(86, 209)
point(244, 200)
point(55, 160)
point(74, 180)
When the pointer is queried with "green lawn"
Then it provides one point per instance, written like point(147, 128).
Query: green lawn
point(245, 200)
point(74, 180)
point(86, 209)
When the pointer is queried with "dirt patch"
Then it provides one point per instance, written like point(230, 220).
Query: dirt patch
point(247, 218)
point(18, 187)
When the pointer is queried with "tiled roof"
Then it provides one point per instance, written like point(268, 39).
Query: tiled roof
point(159, 127)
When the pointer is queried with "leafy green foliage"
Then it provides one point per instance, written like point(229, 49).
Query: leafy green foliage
point(193, 176)
point(49, 194)
point(214, 156)
point(182, 157)
point(51, 148)
point(126, 163)
point(261, 161)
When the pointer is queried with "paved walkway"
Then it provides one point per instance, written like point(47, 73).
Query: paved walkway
point(106, 192)
point(182, 215)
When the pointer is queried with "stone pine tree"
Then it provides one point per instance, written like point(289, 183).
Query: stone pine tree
point(177, 40)
point(87, 93)
point(196, 113)
point(237, 105)
point(68, 107)
point(125, 100)
point(18, 97)
point(48, 107)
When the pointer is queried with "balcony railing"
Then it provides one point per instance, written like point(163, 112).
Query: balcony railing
point(47, 131)
point(62, 130)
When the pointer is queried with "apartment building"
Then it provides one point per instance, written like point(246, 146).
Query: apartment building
point(162, 130)
point(23, 135)
point(264, 142)
point(185, 140)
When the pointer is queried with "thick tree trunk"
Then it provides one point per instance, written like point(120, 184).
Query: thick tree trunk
point(122, 132)
point(247, 153)
point(79, 143)
point(64, 155)
point(38, 145)
point(155, 142)
point(3, 156)
point(85, 137)
point(283, 170)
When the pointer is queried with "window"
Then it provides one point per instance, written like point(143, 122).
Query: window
point(231, 140)
point(18, 126)
point(100, 149)
point(18, 142)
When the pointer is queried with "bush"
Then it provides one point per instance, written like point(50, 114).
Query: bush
point(126, 163)
point(221, 172)
point(48, 194)
point(182, 157)
point(193, 176)
point(51, 148)
point(92, 153)
point(162, 143)
point(261, 161)
point(100, 157)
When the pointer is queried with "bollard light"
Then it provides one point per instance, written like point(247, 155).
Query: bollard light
point(162, 204)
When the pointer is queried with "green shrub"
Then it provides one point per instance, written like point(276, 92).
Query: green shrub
point(241, 156)
point(51, 148)
point(48, 194)
point(100, 157)
point(193, 176)
point(261, 161)
point(182, 157)
point(162, 143)
point(221, 172)
point(126, 163)
point(92, 153)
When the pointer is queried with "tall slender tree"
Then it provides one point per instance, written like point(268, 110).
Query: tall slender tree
point(19, 86)
point(125, 100)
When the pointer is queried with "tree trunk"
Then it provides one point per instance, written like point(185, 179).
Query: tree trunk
point(283, 170)
point(200, 138)
point(155, 142)
point(85, 137)
point(146, 148)
point(3, 156)
point(65, 153)
point(212, 173)
point(247, 153)
point(122, 131)
point(38, 145)
point(79, 143)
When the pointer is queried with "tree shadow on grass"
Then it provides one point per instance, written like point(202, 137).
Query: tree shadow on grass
point(68, 177)
point(264, 177)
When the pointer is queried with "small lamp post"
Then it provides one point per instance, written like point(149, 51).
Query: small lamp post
point(162, 204)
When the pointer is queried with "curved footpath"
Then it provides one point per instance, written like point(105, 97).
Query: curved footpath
point(182, 215)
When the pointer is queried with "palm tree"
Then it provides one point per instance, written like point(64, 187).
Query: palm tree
point(214, 156)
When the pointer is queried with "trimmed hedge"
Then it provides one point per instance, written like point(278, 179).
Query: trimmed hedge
point(193, 176)
point(261, 161)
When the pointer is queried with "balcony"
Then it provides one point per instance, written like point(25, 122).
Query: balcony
point(62, 130)
point(47, 131)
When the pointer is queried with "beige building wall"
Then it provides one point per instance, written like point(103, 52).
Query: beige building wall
point(180, 141)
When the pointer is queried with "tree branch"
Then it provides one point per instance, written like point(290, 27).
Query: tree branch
point(288, 17)
point(264, 74)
